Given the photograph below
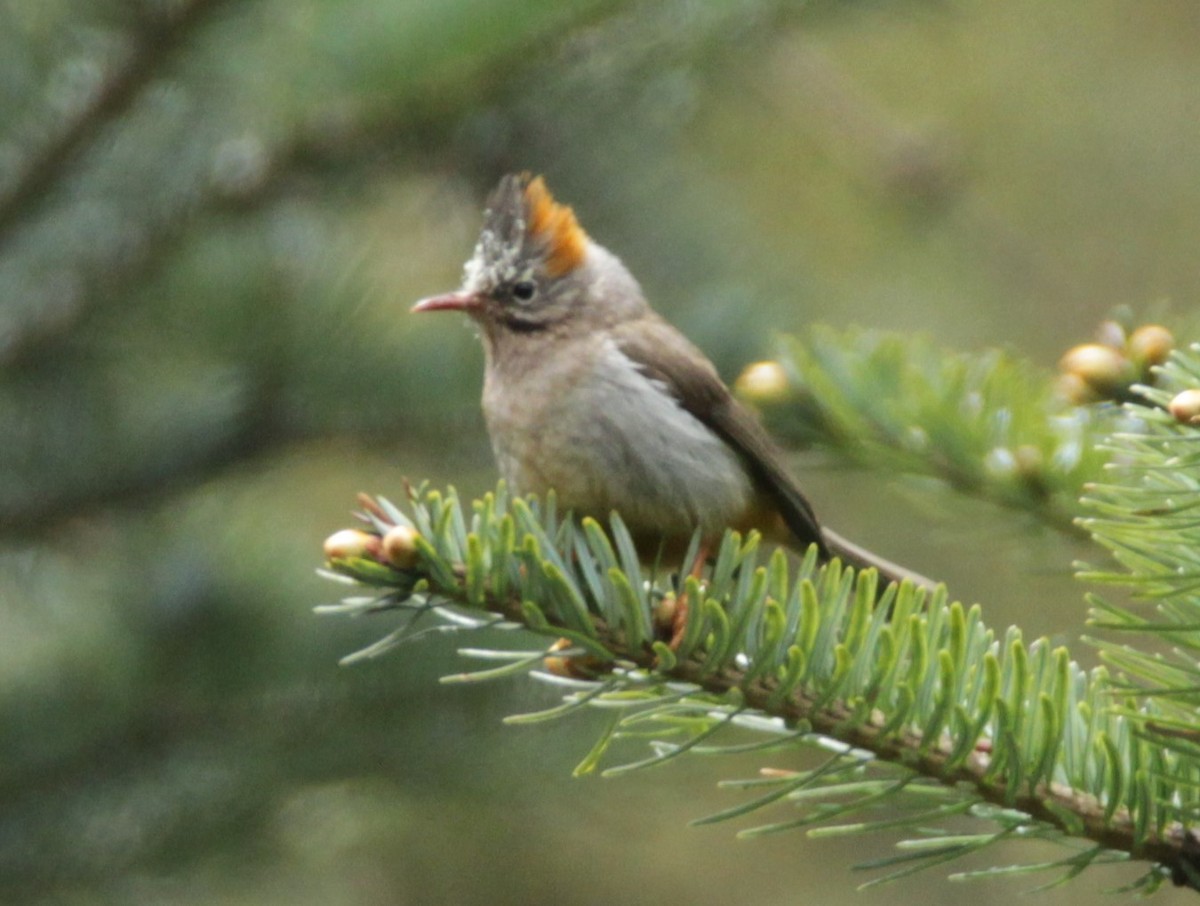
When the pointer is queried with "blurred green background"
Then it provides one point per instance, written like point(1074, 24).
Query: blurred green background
point(213, 217)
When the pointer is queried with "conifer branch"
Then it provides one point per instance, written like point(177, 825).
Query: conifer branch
point(1145, 514)
point(1017, 733)
point(985, 423)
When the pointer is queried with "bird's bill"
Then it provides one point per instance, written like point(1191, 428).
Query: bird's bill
point(456, 301)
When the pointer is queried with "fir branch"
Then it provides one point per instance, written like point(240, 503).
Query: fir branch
point(1018, 734)
point(986, 424)
point(1145, 515)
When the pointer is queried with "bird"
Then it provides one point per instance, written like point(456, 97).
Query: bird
point(590, 393)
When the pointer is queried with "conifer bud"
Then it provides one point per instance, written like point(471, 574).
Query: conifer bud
point(1031, 468)
point(1185, 407)
point(1029, 461)
point(762, 382)
point(400, 548)
point(1150, 345)
point(664, 615)
point(350, 543)
point(1102, 368)
point(1075, 390)
point(584, 667)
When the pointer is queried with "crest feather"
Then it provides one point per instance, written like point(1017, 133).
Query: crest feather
point(554, 225)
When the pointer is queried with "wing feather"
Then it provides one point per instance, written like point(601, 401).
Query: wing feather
point(666, 356)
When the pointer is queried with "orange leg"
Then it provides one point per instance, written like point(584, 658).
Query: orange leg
point(679, 616)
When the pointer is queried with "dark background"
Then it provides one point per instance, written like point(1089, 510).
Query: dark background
point(214, 215)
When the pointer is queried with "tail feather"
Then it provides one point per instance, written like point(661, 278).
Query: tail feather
point(860, 558)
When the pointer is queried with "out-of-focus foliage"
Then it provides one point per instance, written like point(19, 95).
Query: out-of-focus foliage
point(213, 215)
point(984, 423)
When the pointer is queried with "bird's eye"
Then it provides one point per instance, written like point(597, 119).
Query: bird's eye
point(524, 290)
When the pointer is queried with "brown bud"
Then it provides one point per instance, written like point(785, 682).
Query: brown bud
point(1031, 469)
point(583, 667)
point(1029, 461)
point(1075, 390)
point(664, 615)
point(349, 543)
point(1150, 344)
point(1102, 368)
point(1185, 407)
point(400, 548)
point(762, 382)
point(559, 666)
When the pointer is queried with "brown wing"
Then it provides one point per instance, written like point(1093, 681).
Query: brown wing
point(663, 354)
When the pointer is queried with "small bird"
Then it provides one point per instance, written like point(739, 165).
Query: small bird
point(589, 392)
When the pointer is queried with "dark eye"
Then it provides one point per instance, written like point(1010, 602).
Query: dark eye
point(524, 290)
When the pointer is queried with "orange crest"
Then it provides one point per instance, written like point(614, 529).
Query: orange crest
point(556, 226)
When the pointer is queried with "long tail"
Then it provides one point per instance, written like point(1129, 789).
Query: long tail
point(861, 558)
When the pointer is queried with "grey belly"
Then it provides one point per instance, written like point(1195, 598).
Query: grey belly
point(620, 442)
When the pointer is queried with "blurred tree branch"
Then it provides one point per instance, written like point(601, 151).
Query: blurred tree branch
point(156, 32)
point(340, 142)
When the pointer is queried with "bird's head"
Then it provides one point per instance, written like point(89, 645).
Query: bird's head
point(534, 268)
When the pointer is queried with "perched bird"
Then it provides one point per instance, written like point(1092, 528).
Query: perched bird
point(589, 392)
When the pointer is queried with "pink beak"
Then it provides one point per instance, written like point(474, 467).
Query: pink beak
point(456, 301)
